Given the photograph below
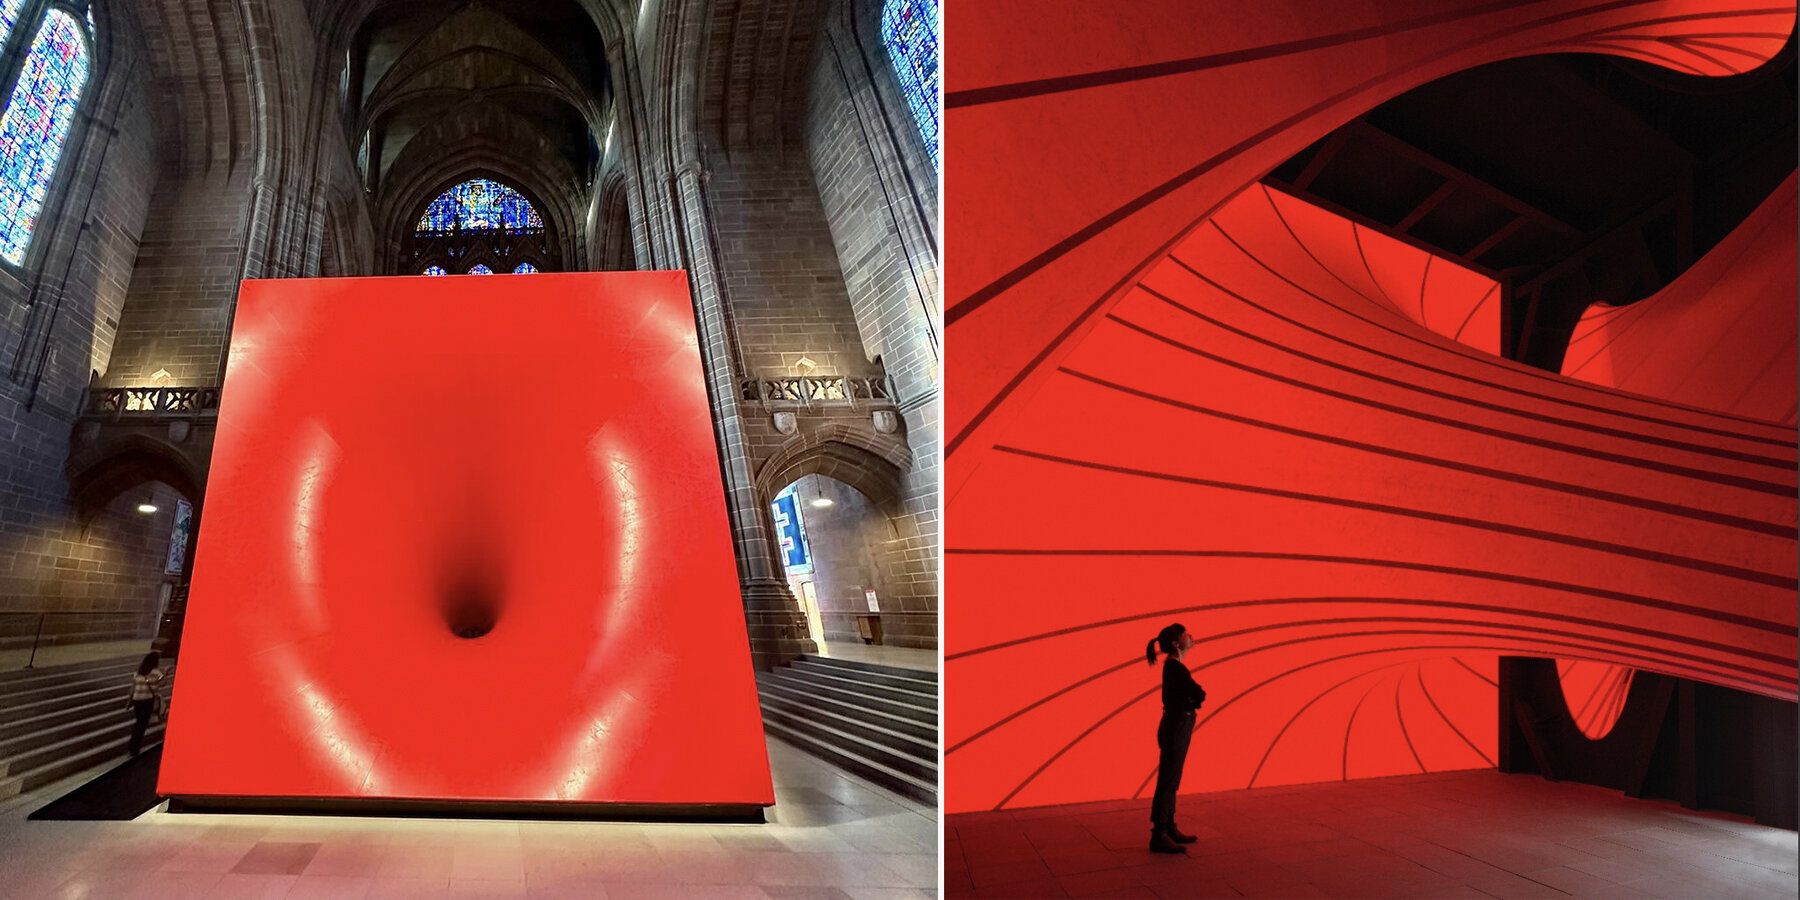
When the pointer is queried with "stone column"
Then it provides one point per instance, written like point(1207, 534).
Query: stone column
point(777, 628)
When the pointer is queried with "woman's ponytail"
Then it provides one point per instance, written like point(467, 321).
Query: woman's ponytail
point(1164, 639)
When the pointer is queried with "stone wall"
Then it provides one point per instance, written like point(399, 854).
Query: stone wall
point(879, 196)
point(781, 273)
point(60, 314)
point(851, 543)
point(103, 580)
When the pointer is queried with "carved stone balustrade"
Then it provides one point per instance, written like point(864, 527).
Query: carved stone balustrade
point(155, 404)
point(804, 391)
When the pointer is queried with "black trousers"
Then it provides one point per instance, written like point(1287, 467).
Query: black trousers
point(140, 709)
point(1172, 738)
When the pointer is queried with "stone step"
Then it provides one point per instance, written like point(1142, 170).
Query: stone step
point(107, 693)
point(54, 715)
point(38, 679)
point(86, 756)
point(17, 677)
point(94, 719)
point(114, 735)
point(836, 691)
point(852, 742)
point(920, 789)
point(924, 751)
point(919, 699)
point(117, 681)
point(886, 676)
point(856, 666)
point(857, 712)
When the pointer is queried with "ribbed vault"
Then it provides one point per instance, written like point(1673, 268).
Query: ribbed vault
point(434, 93)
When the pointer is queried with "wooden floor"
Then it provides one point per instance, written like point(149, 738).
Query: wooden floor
point(1459, 834)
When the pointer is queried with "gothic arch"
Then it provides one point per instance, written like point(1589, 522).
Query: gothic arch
point(614, 250)
point(400, 218)
point(548, 253)
point(438, 92)
point(100, 474)
point(872, 464)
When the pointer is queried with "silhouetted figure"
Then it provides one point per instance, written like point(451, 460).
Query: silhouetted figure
point(143, 697)
point(1181, 697)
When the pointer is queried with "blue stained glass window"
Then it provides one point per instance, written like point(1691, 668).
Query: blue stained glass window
point(480, 205)
point(481, 269)
point(36, 123)
point(9, 14)
point(434, 270)
point(525, 269)
point(910, 30)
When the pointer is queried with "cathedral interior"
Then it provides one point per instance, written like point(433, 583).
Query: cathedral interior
point(155, 154)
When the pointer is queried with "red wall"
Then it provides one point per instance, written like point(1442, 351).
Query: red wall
point(1722, 336)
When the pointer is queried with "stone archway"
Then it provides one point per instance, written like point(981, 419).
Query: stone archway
point(98, 475)
point(872, 464)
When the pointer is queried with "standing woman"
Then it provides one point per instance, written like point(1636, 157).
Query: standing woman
point(143, 696)
point(1181, 696)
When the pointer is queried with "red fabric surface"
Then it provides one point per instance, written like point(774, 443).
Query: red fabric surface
point(1167, 404)
point(541, 442)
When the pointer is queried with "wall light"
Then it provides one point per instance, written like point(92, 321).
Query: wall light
point(822, 502)
point(147, 507)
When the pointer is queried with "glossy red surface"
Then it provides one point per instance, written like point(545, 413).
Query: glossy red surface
point(396, 456)
point(1175, 397)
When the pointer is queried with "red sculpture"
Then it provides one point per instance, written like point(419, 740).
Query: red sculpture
point(465, 539)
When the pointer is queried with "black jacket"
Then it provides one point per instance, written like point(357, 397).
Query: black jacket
point(1180, 692)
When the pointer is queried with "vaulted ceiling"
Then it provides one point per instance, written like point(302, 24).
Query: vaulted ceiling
point(433, 92)
point(758, 56)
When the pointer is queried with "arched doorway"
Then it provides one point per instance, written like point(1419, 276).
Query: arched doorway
point(836, 551)
point(123, 567)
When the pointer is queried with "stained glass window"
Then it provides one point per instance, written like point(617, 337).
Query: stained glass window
point(9, 14)
point(36, 123)
point(910, 30)
point(481, 269)
point(480, 205)
point(525, 269)
point(434, 270)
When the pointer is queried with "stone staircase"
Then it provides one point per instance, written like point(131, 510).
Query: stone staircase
point(878, 722)
point(60, 720)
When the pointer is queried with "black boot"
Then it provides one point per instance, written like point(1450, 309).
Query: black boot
point(1179, 838)
point(1161, 842)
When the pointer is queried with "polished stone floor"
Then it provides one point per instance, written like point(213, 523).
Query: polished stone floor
point(829, 835)
point(1458, 834)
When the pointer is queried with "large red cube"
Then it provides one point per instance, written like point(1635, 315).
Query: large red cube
point(465, 539)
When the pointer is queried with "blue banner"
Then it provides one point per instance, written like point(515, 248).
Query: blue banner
point(790, 531)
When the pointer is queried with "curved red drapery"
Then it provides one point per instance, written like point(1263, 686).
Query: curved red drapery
point(1163, 407)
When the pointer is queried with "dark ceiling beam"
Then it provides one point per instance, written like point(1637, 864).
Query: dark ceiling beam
point(1424, 160)
point(1426, 206)
point(1601, 240)
point(1377, 225)
point(1321, 159)
point(1493, 240)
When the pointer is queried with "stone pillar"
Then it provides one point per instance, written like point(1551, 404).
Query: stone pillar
point(777, 628)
